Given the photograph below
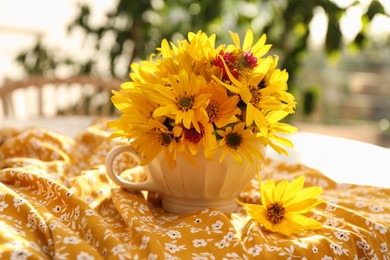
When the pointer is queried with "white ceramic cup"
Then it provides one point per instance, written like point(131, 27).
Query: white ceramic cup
point(187, 187)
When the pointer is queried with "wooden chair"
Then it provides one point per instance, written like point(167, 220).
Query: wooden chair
point(39, 96)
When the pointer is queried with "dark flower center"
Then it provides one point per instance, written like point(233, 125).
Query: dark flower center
point(185, 103)
point(233, 140)
point(212, 111)
point(165, 139)
point(275, 212)
point(256, 95)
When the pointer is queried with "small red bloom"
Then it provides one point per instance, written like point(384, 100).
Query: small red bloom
point(193, 136)
point(235, 61)
point(231, 62)
point(250, 59)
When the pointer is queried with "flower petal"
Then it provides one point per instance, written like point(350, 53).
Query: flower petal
point(303, 206)
point(311, 192)
point(305, 222)
point(293, 188)
point(248, 40)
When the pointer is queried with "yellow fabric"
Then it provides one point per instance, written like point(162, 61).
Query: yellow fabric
point(57, 202)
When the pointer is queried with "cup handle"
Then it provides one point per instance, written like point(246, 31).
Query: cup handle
point(148, 184)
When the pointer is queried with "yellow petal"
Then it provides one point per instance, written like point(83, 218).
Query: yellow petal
point(311, 192)
point(165, 49)
point(303, 206)
point(293, 188)
point(260, 48)
point(235, 38)
point(248, 40)
point(280, 190)
point(305, 222)
point(253, 210)
point(282, 228)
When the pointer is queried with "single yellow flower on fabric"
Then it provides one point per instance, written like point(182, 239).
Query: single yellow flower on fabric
point(283, 206)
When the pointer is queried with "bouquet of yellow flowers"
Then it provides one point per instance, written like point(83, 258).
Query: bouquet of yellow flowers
point(194, 97)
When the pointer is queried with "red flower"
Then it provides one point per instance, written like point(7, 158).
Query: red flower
point(193, 136)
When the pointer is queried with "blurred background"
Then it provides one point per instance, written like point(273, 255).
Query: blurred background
point(337, 52)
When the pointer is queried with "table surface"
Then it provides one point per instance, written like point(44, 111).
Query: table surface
point(343, 160)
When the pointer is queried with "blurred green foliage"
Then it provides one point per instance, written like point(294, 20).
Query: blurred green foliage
point(135, 28)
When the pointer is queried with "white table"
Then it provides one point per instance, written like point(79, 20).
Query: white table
point(67, 125)
point(341, 159)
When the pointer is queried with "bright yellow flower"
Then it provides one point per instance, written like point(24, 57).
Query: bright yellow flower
point(155, 138)
point(193, 55)
point(136, 112)
point(283, 206)
point(222, 109)
point(200, 46)
point(263, 92)
point(239, 141)
point(181, 100)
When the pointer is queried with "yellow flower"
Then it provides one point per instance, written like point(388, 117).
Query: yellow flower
point(200, 46)
point(222, 109)
point(136, 112)
point(158, 137)
point(283, 206)
point(239, 141)
point(182, 100)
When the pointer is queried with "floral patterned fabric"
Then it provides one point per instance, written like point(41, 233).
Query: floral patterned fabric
point(56, 202)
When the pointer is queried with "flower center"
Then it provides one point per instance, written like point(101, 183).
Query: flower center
point(233, 140)
point(165, 139)
point(185, 103)
point(256, 95)
point(275, 212)
point(212, 111)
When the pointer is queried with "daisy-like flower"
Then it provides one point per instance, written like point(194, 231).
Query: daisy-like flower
point(238, 61)
point(262, 93)
point(239, 141)
point(222, 109)
point(182, 100)
point(159, 137)
point(283, 206)
point(137, 111)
